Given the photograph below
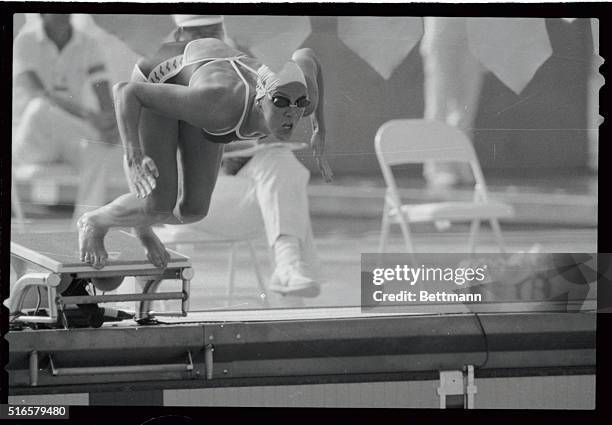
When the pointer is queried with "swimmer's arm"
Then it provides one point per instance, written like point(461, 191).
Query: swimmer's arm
point(307, 60)
point(189, 104)
point(318, 128)
point(318, 118)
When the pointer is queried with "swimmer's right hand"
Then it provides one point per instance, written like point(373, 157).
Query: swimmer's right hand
point(317, 142)
point(143, 172)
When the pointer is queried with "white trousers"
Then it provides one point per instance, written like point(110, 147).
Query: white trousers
point(278, 184)
point(46, 134)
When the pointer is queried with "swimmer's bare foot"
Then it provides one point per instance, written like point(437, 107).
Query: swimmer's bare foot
point(155, 250)
point(91, 241)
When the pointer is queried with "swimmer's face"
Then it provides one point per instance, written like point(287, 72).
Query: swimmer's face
point(283, 109)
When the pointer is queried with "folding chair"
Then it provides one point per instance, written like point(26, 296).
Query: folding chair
point(406, 141)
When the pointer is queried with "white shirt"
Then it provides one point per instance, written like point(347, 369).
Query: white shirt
point(64, 72)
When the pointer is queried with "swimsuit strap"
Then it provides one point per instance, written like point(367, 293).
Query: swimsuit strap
point(247, 98)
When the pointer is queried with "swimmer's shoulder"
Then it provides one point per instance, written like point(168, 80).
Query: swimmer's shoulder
point(227, 97)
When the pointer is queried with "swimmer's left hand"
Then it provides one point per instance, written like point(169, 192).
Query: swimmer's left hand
point(317, 142)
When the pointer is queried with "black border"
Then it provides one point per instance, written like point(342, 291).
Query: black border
point(135, 415)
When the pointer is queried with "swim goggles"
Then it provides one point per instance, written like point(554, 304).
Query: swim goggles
point(283, 102)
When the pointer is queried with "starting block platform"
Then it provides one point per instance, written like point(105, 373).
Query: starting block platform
point(56, 256)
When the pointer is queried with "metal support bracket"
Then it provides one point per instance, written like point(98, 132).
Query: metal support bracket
point(33, 364)
point(208, 360)
point(50, 281)
point(457, 383)
point(96, 370)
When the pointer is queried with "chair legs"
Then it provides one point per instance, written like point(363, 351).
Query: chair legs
point(407, 239)
point(474, 228)
point(231, 270)
point(16, 207)
point(258, 274)
point(231, 285)
point(498, 235)
point(474, 231)
point(384, 232)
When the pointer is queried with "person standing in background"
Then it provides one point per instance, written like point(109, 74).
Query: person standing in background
point(453, 80)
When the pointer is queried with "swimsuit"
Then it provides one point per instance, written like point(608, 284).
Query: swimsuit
point(194, 54)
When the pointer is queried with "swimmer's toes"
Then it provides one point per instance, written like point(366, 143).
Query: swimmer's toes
point(96, 262)
point(100, 261)
point(153, 259)
point(163, 262)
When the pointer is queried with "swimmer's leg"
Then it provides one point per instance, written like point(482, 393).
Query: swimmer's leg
point(159, 137)
point(199, 162)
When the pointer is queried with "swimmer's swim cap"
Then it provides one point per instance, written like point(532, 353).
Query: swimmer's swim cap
point(197, 20)
point(291, 73)
point(268, 81)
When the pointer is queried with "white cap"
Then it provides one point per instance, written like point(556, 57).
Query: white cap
point(268, 81)
point(197, 20)
point(290, 73)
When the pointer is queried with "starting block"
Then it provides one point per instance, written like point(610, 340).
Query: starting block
point(56, 258)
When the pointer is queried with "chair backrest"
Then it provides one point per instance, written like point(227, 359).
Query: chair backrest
point(415, 141)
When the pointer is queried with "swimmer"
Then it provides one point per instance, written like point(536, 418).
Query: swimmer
point(191, 98)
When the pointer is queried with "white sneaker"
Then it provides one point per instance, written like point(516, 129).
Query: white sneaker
point(293, 280)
